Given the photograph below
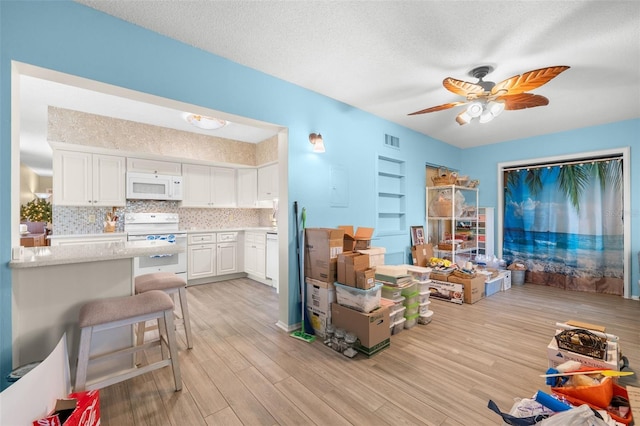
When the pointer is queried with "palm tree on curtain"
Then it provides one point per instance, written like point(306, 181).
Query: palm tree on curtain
point(573, 179)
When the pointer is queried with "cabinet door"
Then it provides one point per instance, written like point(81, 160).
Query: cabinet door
point(247, 187)
point(72, 182)
point(202, 261)
point(223, 185)
point(196, 185)
point(108, 180)
point(154, 166)
point(227, 258)
point(268, 182)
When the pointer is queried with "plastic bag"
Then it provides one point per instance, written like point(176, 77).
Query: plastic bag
point(579, 416)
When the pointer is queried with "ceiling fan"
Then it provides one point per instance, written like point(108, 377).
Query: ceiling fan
point(486, 99)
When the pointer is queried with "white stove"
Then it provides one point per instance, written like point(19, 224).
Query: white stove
point(157, 226)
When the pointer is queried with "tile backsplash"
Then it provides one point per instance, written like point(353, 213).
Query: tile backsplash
point(69, 220)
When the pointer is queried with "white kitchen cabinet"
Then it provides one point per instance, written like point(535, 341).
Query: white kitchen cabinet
point(227, 253)
point(86, 179)
point(247, 187)
point(206, 186)
point(155, 167)
point(201, 255)
point(268, 182)
point(255, 258)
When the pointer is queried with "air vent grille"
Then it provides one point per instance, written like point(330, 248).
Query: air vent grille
point(392, 141)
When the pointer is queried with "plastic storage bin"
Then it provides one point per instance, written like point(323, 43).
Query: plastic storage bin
point(424, 296)
point(398, 326)
point(423, 285)
point(396, 314)
point(424, 307)
point(411, 309)
point(358, 299)
point(410, 289)
point(419, 273)
point(389, 292)
point(410, 299)
point(411, 321)
point(425, 318)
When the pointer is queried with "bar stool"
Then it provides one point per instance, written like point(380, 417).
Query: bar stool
point(171, 284)
point(115, 312)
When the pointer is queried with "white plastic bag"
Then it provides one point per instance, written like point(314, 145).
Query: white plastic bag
point(579, 416)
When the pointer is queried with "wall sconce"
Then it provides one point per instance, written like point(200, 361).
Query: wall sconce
point(317, 142)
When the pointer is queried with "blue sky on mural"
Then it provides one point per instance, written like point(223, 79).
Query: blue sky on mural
point(550, 211)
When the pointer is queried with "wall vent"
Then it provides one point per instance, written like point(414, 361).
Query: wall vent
point(392, 141)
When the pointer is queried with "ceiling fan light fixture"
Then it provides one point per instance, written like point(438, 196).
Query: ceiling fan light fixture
point(204, 122)
point(495, 108)
point(486, 117)
point(474, 109)
point(463, 118)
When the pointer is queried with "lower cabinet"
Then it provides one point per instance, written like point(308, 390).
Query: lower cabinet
point(201, 252)
point(212, 254)
point(255, 255)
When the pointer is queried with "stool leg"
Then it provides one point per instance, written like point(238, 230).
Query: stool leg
point(184, 307)
point(170, 331)
point(83, 358)
point(140, 329)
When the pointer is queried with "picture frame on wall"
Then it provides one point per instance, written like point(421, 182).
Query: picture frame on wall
point(417, 235)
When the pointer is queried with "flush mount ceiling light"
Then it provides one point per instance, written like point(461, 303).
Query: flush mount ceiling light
point(317, 142)
point(204, 122)
point(42, 195)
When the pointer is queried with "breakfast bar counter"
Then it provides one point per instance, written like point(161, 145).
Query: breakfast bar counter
point(50, 284)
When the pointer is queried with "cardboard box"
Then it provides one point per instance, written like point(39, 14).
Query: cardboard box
point(443, 290)
point(435, 275)
point(341, 275)
point(321, 249)
point(320, 295)
point(558, 356)
point(376, 255)
point(319, 321)
point(473, 287)
point(359, 240)
point(421, 254)
point(373, 328)
point(366, 279)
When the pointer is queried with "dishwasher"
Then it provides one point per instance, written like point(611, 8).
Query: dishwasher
point(272, 259)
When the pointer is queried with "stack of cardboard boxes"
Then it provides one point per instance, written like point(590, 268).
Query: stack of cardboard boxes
point(331, 255)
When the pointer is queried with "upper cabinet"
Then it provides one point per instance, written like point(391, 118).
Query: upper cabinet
point(156, 167)
point(268, 182)
point(86, 179)
point(206, 186)
point(247, 187)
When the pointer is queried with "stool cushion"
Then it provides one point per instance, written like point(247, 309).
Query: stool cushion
point(158, 281)
point(119, 308)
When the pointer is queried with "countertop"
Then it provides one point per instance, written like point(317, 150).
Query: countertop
point(65, 254)
point(268, 229)
point(94, 236)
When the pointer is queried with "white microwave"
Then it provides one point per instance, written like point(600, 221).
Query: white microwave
point(148, 186)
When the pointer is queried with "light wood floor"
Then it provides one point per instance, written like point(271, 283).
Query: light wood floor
point(243, 370)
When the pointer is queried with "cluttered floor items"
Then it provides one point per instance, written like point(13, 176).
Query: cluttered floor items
point(355, 302)
point(585, 363)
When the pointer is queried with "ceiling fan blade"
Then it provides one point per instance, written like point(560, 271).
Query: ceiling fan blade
point(522, 101)
point(438, 108)
point(463, 88)
point(527, 81)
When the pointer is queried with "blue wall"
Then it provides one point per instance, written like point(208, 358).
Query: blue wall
point(71, 38)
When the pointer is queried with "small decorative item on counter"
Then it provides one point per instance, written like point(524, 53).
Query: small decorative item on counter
point(110, 221)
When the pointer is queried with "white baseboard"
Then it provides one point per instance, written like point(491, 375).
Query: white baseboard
point(286, 327)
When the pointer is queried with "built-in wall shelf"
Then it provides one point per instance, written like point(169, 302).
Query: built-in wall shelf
point(391, 196)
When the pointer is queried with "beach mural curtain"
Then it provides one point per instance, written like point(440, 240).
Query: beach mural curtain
point(564, 222)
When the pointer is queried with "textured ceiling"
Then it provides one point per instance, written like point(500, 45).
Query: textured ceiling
point(389, 57)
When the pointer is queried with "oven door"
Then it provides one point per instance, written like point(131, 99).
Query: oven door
point(176, 263)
